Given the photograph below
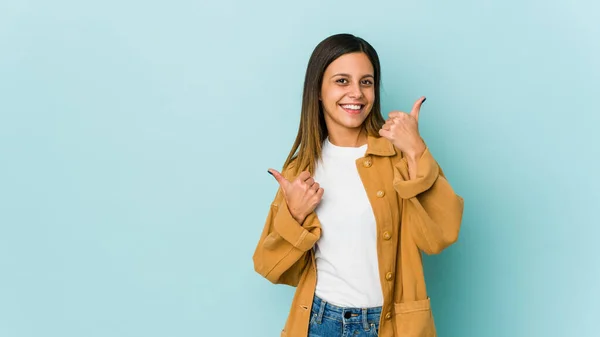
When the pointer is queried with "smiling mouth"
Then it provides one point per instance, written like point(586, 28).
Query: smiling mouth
point(352, 108)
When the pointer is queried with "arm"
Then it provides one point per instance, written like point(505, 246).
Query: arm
point(281, 253)
point(428, 195)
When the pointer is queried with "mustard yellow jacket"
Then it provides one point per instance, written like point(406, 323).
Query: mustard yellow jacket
point(412, 216)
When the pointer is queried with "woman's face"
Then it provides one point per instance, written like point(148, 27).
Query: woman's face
point(348, 91)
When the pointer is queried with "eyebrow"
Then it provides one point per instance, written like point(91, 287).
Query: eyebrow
point(347, 75)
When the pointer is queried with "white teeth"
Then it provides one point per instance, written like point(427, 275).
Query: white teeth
point(351, 106)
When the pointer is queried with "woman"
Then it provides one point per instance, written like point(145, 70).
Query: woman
point(359, 199)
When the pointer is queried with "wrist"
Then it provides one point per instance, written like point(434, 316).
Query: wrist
point(299, 219)
point(416, 153)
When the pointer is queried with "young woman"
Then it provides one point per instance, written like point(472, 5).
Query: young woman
point(359, 199)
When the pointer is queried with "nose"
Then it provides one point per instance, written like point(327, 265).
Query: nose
point(355, 91)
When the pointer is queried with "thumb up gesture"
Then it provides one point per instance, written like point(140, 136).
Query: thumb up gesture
point(301, 195)
point(402, 129)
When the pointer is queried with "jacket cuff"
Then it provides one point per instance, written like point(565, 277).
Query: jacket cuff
point(289, 229)
point(427, 173)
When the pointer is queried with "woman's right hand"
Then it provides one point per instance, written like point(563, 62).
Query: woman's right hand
point(301, 195)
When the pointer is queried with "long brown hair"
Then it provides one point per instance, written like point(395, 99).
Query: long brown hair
point(312, 130)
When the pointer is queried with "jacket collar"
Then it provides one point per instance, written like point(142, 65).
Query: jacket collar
point(380, 146)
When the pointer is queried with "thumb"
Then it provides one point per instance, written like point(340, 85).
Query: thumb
point(416, 109)
point(279, 177)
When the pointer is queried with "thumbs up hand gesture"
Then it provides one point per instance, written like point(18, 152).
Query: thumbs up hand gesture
point(402, 129)
point(301, 195)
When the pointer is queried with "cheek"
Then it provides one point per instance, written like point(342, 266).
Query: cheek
point(370, 95)
point(332, 96)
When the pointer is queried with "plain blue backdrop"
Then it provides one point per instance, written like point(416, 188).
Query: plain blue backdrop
point(135, 138)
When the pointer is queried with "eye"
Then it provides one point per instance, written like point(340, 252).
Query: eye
point(367, 82)
point(342, 81)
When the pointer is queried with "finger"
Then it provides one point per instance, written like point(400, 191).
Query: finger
point(385, 133)
point(320, 192)
point(396, 114)
point(304, 176)
point(310, 181)
point(315, 187)
point(386, 127)
point(417, 108)
point(392, 121)
point(280, 178)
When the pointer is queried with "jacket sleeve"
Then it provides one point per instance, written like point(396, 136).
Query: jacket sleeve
point(433, 211)
point(281, 254)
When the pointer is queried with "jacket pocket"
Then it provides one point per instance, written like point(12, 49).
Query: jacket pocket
point(414, 319)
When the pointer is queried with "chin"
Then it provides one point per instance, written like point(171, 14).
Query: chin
point(353, 124)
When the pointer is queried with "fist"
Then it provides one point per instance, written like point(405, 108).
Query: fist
point(402, 129)
point(301, 195)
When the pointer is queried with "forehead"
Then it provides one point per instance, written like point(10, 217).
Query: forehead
point(352, 64)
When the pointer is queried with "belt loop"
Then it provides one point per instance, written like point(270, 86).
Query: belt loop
point(321, 310)
point(364, 320)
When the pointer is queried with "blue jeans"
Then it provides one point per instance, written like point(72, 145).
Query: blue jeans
point(328, 320)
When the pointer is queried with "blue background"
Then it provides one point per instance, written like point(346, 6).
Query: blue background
point(135, 138)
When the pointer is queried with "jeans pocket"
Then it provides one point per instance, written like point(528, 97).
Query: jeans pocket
point(313, 319)
point(374, 331)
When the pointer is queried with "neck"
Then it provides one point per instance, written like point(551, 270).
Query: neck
point(348, 137)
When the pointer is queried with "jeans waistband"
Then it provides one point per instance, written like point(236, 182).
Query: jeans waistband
point(344, 314)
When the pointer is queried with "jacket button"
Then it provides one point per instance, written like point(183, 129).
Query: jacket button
point(388, 315)
point(389, 276)
point(387, 235)
point(367, 163)
point(380, 193)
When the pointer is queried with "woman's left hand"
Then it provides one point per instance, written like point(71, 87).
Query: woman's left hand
point(402, 129)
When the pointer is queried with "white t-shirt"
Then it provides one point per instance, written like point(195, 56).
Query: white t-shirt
point(346, 253)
